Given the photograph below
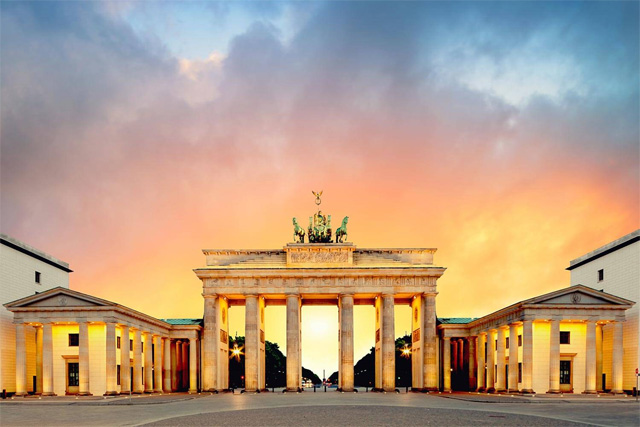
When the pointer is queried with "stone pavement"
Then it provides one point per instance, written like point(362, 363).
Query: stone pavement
point(331, 408)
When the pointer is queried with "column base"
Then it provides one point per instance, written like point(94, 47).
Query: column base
point(85, 393)
point(21, 393)
point(589, 392)
point(480, 389)
point(490, 390)
point(111, 393)
point(500, 390)
point(148, 391)
point(157, 391)
point(292, 390)
point(49, 394)
point(617, 392)
point(513, 390)
point(527, 391)
point(430, 389)
point(554, 392)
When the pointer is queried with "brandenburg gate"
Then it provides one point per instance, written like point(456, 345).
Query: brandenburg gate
point(319, 272)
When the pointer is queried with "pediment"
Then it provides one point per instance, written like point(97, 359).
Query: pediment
point(581, 295)
point(59, 297)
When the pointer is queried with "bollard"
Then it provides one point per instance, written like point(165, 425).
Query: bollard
point(314, 388)
point(406, 389)
point(4, 393)
point(366, 389)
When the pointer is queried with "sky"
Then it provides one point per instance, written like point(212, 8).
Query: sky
point(136, 134)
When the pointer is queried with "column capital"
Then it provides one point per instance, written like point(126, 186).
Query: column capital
point(251, 295)
point(388, 295)
point(429, 294)
point(346, 294)
point(446, 338)
point(206, 296)
point(292, 294)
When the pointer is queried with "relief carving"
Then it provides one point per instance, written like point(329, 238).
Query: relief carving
point(319, 257)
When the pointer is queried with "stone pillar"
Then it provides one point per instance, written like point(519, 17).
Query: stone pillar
point(111, 360)
point(346, 342)
point(430, 367)
point(293, 342)
point(175, 365)
point(38, 389)
point(482, 339)
point(137, 362)
point(388, 344)
point(461, 354)
point(157, 363)
point(599, 358)
point(590, 359)
point(210, 344)
point(193, 366)
point(491, 357)
point(554, 357)
point(527, 356)
point(513, 358)
point(185, 364)
point(47, 360)
point(617, 359)
point(21, 360)
point(501, 362)
point(446, 366)
point(148, 364)
point(251, 346)
point(166, 365)
point(472, 363)
point(83, 359)
point(125, 360)
point(454, 353)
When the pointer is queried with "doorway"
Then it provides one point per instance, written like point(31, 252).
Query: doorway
point(73, 377)
point(566, 377)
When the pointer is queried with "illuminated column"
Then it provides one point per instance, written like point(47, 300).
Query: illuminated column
point(83, 359)
point(447, 363)
point(346, 342)
point(554, 357)
point(157, 363)
point(617, 358)
point(166, 365)
point(193, 366)
point(388, 344)
point(110, 358)
point(590, 358)
point(472, 363)
point(125, 360)
point(185, 364)
point(210, 344)
point(293, 342)
point(430, 365)
point(461, 354)
point(527, 356)
point(47, 360)
point(513, 358)
point(454, 351)
point(21, 360)
point(251, 346)
point(491, 357)
point(482, 339)
point(148, 364)
point(599, 358)
point(501, 361)
point(175, 365)
point(137, 362)
point(38, 359)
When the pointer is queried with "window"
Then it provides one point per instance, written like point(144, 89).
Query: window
point(117, 342)
point(74, 340)
point(37, 277)
point(520, 372)
point(565, 372)
point(565, 337)
point(118, 373)
point(600, 275)
point(485, 351)
point(507, 342)
point(73, 375)
point(496, 344)
point(519, 340)
point(130, 345)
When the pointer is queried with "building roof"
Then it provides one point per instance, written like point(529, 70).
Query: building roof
point(33, 252)
point(605, 250)
point(183, 321)
point(455, 320)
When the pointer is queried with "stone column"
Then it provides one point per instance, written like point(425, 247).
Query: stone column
point(554, 357)
point(38, 389)
point(430, 365)
point(157, 363)
point(388, 344)
point(454, 352)
point(501, 362)
point(513, 358)
point(446, 366)
point(83, 359)
point(491, 357)
point(461, 354)
point(166, 365)
point(47, 360)
point(346, 342)
point(210, 344)
point(599, 358)
point(185, 364)
point(590, 359)
point(137, 362)
point(111, 360)
point(251, 346)
point(176, 363)
point(617, 359)
point(193, 366)
point(472, 363)
point(527, 356)
point(293, 342)
point(125, 360)
point(21, 360)
point(482, 339)
point(148, 364)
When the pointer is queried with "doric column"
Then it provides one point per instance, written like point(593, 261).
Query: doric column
point(446, 366)
point(482, 339)
point(454, 353)
point(617, 359)
point(527, 356)
point(111, 360)
point(430, 367)
point(148, 364)
point(491, 357)
point(388, 344)
point(293, 342)
point(346, 342)
point(501, 361)
point(39, 359)
point(157, 363)
point(166, 365)
point(175, 365)
point(193, 366)
point(461, 342)
point(125, 360)
point(513, 358)
point(47, 360)
point(138, 387)
point(554, 357)
point(590, 358)
point(21, 360)
point(185, 364)
point(209, 343)
point(83, 359)
point(599, 386)
point(251, 346)
point(472, 363)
